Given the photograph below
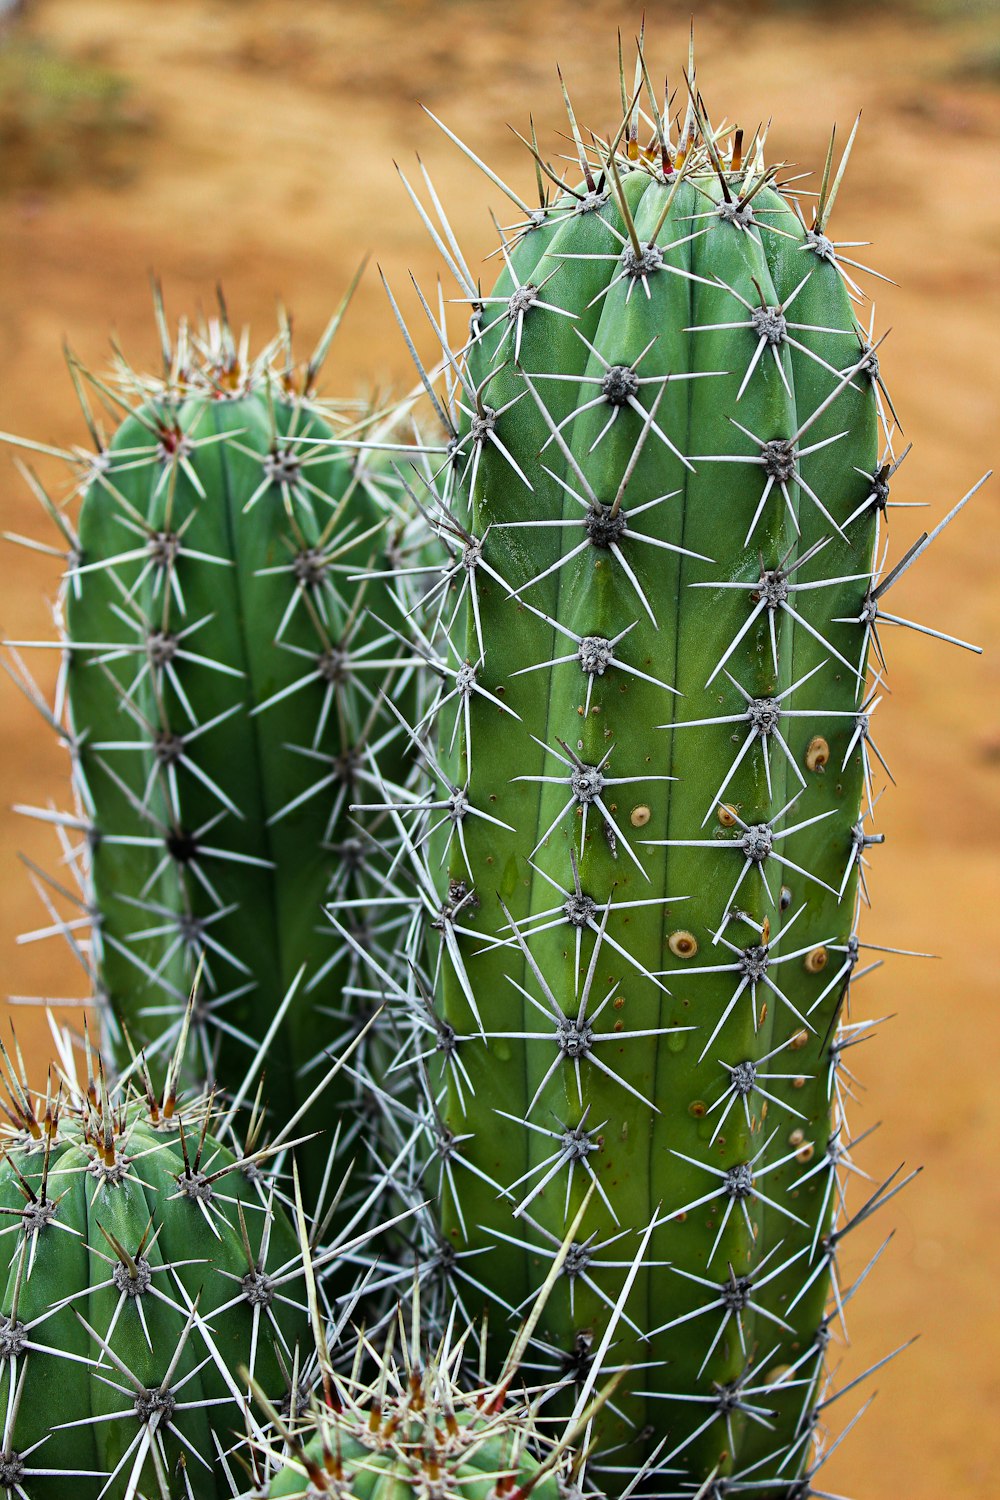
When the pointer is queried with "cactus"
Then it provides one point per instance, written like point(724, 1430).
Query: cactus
point(667, 463)
point(611, 892)
point(417, 1428)
point(222, 692)
point(420, 1421)
point(146, 1266)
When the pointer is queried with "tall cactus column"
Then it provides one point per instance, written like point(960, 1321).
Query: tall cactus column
point(671, 477)
point(224, 694)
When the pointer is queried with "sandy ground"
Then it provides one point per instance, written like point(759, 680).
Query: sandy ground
point(270, 166)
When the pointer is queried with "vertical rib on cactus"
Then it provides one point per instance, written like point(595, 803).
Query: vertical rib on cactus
point(224, 693)
point(830, 777)
point(667, 475)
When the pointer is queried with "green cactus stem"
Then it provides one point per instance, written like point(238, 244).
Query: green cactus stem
point(147, 1264)
point(416, 1429)
point(667, 460)
point(226, 657)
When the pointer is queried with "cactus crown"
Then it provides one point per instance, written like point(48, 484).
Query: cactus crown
point(416, 1424)
point(422, 1421)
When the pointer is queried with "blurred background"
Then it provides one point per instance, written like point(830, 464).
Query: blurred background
point(252, 142)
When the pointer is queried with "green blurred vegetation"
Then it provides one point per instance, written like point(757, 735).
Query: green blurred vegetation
point(973, 27)
point(953, 10)
point(950, 11)
point(63, 118)
point(981, 63)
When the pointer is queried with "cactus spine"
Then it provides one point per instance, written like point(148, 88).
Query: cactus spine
point(662, 497)
point(420, 1420)
point(414, 1426)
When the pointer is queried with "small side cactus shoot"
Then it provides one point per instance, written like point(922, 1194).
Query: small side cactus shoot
point(664, 493)
point(151, 1275)
point(416, 1420)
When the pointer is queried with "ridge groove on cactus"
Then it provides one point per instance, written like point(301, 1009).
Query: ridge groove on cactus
point(643, 848)
point(225, 654)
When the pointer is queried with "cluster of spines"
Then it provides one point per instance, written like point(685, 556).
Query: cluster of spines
point(169, 1305)
point(409, 1408)
point(559, 937)
point(224, 668)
